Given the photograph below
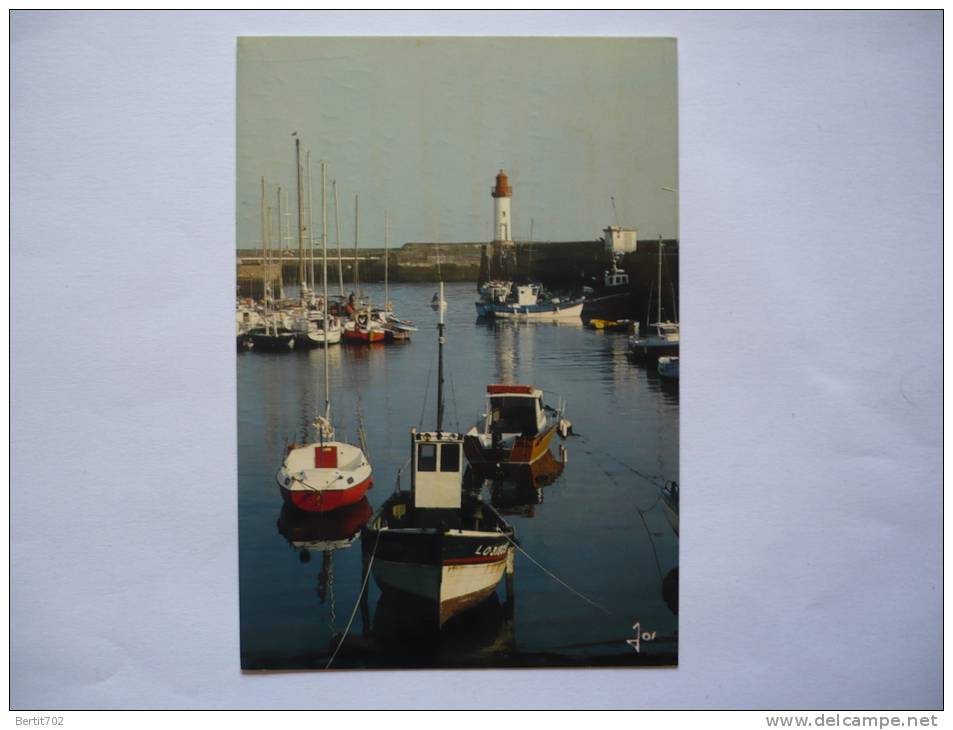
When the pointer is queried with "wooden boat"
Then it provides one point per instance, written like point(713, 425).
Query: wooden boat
point(436, 542)
point(516, 429)
point(327, 474)
point(526, 302)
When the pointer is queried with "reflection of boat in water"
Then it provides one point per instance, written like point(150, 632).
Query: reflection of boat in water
point(435, 542)
point(322, 531)
point(520, 490)
point(516, 429)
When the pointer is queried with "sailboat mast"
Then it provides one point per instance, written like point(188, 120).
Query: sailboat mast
point(264, 265)
point(386, 290)
point(660, 246)
point(300, 220)
point(357, 285)
point(440, 341)
point(281, 280)
point(324, 248)
point(311, 223)
point(337, 236)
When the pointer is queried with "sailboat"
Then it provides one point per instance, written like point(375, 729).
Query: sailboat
point(662, 337)
point(273, 335)
point(327, 474)
point(437, 542)
point(309, 323)
point(363, 328)
point(395, 327)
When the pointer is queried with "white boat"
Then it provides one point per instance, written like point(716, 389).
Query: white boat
point(436, 542)
point(668, 367)
point(526, 302)
point(327, 474)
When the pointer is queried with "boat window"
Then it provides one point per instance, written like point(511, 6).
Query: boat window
point(427, 457)
point(450, 457)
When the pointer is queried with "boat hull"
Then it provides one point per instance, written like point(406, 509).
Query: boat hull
point(524, 452)
point(325, 500)
point(653, 351)
point(282, 342)
point(451, 570)
point(364, 337)
point(533, 312)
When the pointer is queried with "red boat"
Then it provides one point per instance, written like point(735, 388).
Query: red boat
point(321, 477)
point(362, 329)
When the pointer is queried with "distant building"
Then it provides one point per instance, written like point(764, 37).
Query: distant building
point(620, 240)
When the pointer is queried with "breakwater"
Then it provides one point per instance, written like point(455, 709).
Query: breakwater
point(559, 265)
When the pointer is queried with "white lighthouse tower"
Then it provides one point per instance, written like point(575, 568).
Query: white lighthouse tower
point(502, 215)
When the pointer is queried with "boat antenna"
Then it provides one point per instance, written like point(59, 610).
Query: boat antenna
point(324, 250)
point(440, 341)
point(615, 212)
point(337, 236)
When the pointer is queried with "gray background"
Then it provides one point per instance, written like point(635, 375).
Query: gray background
point(810, 168)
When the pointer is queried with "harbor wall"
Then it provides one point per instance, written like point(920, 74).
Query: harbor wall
point(559, 265)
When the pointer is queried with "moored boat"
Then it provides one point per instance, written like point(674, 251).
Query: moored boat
point(327, 474)
point(668, 367)
point(516, 429)
point(436, 542)
point(527, 302)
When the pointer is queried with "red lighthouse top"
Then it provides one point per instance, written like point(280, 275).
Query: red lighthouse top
point(502, 189)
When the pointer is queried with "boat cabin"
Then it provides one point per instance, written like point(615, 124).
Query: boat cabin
point(514, 409)
point(437, 466)
point(527, 294)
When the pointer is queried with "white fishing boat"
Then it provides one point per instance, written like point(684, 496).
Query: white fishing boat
point(436, 542)
point(327, 474)
point(527, 302)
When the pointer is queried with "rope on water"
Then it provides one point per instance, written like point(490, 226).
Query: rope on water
point(357, 603)
point(550, 573)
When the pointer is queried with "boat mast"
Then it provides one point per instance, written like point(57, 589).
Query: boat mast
point(337, 236)
point(264, 267)
point(386, 297)
point(440, 341)
point(281, 281)
point(357, 285)
point(324, 248)
point(311, 223)
point(301, 271)
point(660, 246)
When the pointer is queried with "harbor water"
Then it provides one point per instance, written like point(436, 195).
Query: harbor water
point(596, 575)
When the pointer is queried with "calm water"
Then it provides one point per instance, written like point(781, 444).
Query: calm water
point(599, 526)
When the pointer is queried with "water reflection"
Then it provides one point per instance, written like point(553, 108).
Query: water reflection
point(520, 490)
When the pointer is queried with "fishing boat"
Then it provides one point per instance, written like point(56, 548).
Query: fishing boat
point(437, 542)
point(515, 430)
point(491, 293)
point(528, 302)
point(662, 337)
point(668, 367)
point(327, 474)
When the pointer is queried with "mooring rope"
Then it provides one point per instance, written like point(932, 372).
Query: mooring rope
point(357, 603)
point(549, 572)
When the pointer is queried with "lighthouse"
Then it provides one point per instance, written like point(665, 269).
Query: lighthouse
point(502, 216)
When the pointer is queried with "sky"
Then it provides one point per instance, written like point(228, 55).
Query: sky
point(419, 127)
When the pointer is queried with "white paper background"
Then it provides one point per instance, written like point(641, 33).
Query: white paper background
point(811, 445)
